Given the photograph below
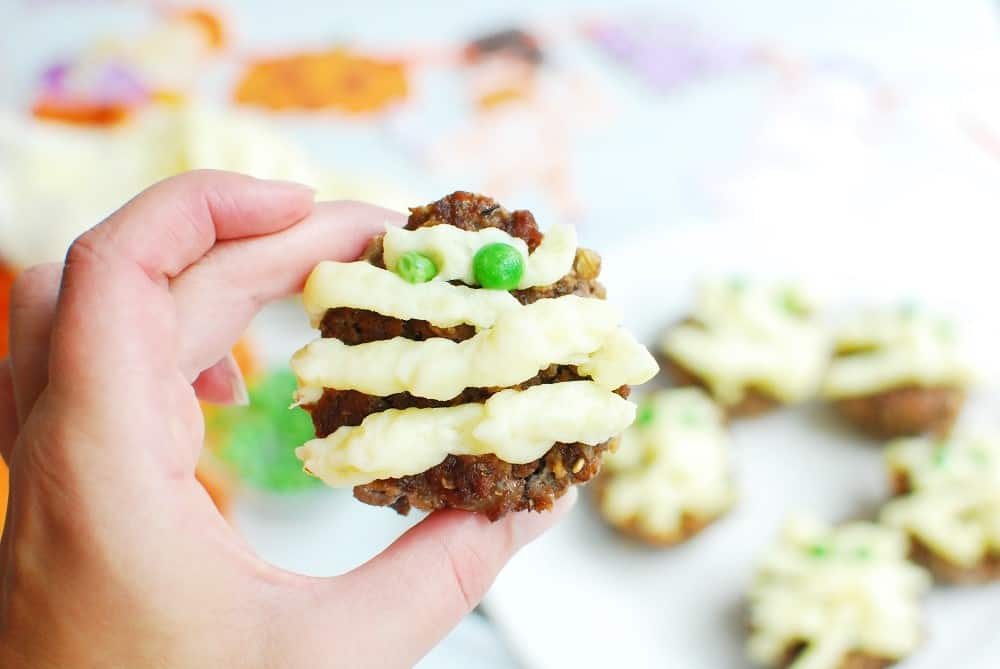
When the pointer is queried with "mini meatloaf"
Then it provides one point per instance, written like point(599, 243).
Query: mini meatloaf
point(670, 478)
point(841, 597)
point(467, 361)
point(752, 345)
point(898, 372)
point(948, 501)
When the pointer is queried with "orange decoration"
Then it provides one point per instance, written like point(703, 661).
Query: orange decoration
point(336, 79)
point(80, 113)
point(6, 281)
point(210, 23)
point(4, 490)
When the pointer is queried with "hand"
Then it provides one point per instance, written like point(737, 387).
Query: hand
point(113, 555)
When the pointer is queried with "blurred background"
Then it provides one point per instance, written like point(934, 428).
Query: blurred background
point(774, 137)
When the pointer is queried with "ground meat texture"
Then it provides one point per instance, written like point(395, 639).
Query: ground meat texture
point(904, 411)
point(854, 659)
point(483, 484)
point(754, 402)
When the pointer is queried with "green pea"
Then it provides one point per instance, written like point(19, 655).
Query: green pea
point(416, 267)
point(819, 550)
point(909, 309)
point(691, 418)
point(940, 456)
point(793, 303)
point(862, 552)
point(738, 284)
point(645, 415)
point(498, 266)
point(980, 456)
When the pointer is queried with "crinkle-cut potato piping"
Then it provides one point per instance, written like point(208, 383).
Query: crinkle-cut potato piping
point(517, 426)
point(953, 506)
point(569, 330)
point(452, 250)
point(361, 285)
point(837, 591)
point(675, 462)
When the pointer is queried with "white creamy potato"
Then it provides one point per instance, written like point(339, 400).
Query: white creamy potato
point(953, 506)
point(673, 463)
point(750, 334)
point(838, 590)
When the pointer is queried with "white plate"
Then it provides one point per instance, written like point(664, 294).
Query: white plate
point(582, 597)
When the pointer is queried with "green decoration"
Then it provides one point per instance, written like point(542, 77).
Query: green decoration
point(498, 266)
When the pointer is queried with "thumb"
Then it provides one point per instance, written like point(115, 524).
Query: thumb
point(405, 600)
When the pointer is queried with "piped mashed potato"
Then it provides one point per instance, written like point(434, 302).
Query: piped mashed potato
point(515, 425)
point(887, 349)
point(744, 335)
point(953, 503)
point(842, 590)
point(570, 330)
point(672, 465)
point(452, 250)
point(512, 344)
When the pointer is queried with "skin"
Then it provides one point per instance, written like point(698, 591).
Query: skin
point(114, 555)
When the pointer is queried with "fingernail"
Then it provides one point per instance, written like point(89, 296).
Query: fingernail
point(233, 377)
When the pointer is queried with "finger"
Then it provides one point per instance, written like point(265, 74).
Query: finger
point(420, 587)
point(33, 301)
point(217, 296)
point(115, 307)
point(8, 412)
point(223, 383)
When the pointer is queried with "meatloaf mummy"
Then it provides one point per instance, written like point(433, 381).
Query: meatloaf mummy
point(752, 345)
point(467, 361)
point(948, 501)
point(835, 598)
point(898, 373)
point(670, 476)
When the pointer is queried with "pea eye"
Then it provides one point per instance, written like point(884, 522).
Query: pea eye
point(498, 266)
point(819, 551)
point(416, 267)
point(644, 416)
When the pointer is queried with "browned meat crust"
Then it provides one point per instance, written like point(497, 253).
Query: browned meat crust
point(854, 660)
point(904, 411)
point(943, 569)
point(484, 484)
point(754, 403)
point(690, 524)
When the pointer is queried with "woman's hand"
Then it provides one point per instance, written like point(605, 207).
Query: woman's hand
point(113, 555)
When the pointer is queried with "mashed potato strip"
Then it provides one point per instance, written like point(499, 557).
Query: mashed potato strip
point(838, 590)
point(675, 464)
point(898, 349)
point(954, 504)
point(361, 285)
point(516, 426)
point(752, 335)
point(452, 250)
point(569, 330)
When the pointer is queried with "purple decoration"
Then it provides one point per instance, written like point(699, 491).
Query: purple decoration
point(109, 84)
point(668, 55)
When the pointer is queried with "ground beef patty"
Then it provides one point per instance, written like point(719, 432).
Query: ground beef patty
point(484, 483)
point(903, 411)
point(853, 660)
point(754, 403)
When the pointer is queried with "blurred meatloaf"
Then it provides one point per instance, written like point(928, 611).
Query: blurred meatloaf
point(481, 483)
